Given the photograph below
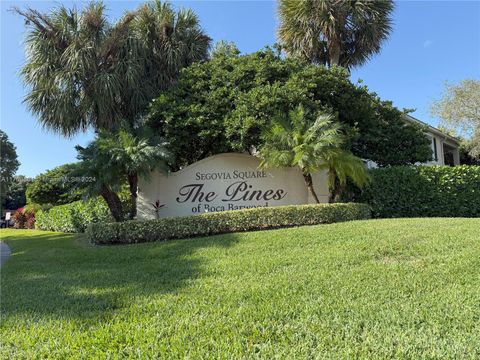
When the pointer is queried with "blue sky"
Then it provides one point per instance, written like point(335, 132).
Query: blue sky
point(432, 42)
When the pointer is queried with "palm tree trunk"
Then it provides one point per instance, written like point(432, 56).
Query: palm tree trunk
point(332, 179)
point(334, 50)
point(338, 191)
point(133, 185)
point(113, 202)
point(308, 181)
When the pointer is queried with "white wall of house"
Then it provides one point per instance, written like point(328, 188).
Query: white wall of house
point(440, 145)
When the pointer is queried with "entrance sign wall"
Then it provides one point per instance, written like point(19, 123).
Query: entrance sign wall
point(222, 182)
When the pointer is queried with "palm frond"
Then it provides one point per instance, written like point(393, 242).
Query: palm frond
point(311, 29)
point(84, 72)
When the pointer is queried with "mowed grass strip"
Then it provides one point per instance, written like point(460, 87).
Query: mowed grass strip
point(402, 288)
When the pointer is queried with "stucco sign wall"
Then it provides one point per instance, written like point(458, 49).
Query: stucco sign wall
point(223, 182)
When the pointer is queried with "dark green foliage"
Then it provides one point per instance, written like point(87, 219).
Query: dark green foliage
point(8, 165)
point(55, 187)
point(15, 196)
point(224, 104)
point(224, 222)
point(393, 140)
point(8, 161)
point(466, 157)
point(73, 217)
point(411, 191)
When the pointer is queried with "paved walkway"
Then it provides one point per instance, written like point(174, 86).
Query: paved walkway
point(4, 252)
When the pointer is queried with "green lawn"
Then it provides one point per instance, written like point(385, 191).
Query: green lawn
point(405, 288)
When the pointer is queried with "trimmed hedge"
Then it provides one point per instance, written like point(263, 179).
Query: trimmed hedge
point(73, 217)
point(417, 191)
point(224, 222)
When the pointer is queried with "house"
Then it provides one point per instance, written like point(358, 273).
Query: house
point(445, 148)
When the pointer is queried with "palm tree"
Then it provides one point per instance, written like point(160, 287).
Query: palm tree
point(224, 48)
point(342, 165)
point(173, 40)
point(100, 179)
point(84, 72)
point(294, 141)
point(334, 32)
point(133, 155)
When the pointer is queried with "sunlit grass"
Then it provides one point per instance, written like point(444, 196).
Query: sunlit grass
point(405, 288)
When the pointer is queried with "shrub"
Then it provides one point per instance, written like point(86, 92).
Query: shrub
point(23, 219)
point(30, 223)
point(224, 222)
point(73, 217)
point(416, 191)
point(19, 219)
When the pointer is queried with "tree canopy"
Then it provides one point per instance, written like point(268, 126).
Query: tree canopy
point(459, 109)
point(83, 71)
point(332, 32)
point(15, 196)
point(54, 187)
point(8, 164)
point(224, 104)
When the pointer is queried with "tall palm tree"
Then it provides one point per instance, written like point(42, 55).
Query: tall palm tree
point(334, 32)
point(173, 39)
point(293, 141)
point(133, 155)
point(84, 72)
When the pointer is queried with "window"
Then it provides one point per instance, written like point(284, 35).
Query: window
point(434, 145)
point(449, 155)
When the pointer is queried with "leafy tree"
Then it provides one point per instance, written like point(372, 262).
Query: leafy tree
point(224, 104)
point(459, 108)
point(395, 140)
point(132, 155)
point(466, 157)
point(8, 164)
point(85, 72)
point(294, 141)
point(331, 32)
point(15, 196)
point(54, 187)
point(100, 179)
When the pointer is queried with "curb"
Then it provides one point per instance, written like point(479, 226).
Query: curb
point(4, 253)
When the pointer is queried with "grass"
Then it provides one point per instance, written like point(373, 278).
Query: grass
point(404, 288)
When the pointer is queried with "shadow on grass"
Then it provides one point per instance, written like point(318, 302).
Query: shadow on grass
point(61, 275)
